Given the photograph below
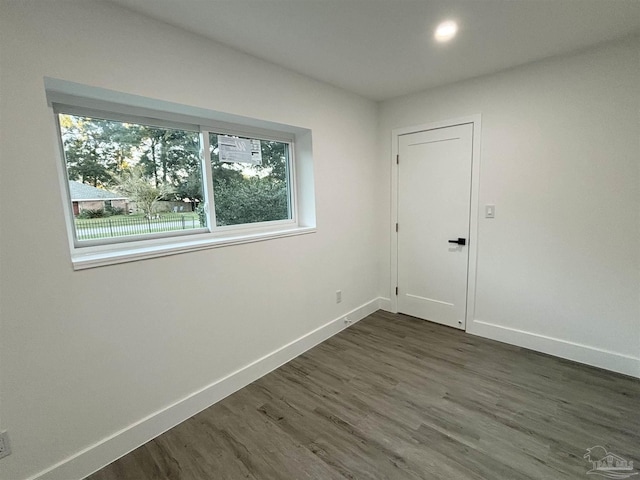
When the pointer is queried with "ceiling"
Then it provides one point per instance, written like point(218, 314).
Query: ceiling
point(384, 48)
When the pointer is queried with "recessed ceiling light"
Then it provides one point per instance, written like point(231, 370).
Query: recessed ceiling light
point(446, 31)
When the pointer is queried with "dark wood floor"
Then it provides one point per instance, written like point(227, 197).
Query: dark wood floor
point(394, 397)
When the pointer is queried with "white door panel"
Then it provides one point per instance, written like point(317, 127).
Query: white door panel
point(434, 198)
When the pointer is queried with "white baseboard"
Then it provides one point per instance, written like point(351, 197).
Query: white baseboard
point(596, 357)
point(385, 304)
point(95, 456)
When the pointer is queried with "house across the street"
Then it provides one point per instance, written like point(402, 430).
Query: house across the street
point(87, 197)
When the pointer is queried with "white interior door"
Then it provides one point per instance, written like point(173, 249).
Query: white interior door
point(434, 203)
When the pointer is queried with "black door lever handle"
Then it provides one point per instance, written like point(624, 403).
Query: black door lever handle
point(459, 241)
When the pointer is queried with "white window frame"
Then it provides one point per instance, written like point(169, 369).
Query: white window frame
point(74, 99)
point(210, 194)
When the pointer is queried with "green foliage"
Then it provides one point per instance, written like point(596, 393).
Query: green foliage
point(98, 152)
point(251, 193)
point(139, 188)
point(250, 200)
point(190, 187)
point(274, 158)
point(202, 215)
point(114, 210)
point(95, 150)
point(93, 213)
point(170, 156)
point(149, 164)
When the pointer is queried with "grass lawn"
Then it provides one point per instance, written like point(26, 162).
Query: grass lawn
point(88, 222)
point(124, 225)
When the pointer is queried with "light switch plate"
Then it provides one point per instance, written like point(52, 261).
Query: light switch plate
point(489, 211)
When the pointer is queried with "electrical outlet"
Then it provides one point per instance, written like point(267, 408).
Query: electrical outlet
point(338, 296)
point(347, 321)
point(5, 446)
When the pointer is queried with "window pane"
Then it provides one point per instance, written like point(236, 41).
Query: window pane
point(250, 180)
point(131, 179)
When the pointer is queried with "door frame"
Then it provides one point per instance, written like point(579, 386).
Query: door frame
point(474, 212)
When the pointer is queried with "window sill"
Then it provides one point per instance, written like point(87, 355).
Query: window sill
point(84, 258)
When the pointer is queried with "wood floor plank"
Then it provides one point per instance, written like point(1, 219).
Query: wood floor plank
point(394, 397)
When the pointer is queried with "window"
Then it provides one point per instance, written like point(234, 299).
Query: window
point(255, 189)
point(128, 180)
point(140, 183)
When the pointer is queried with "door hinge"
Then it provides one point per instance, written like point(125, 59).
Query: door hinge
point(397, 159)
point(396, 228)
point(396, 290)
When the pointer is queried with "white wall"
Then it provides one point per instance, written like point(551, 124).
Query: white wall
point(87, 353)
point(559, 266)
